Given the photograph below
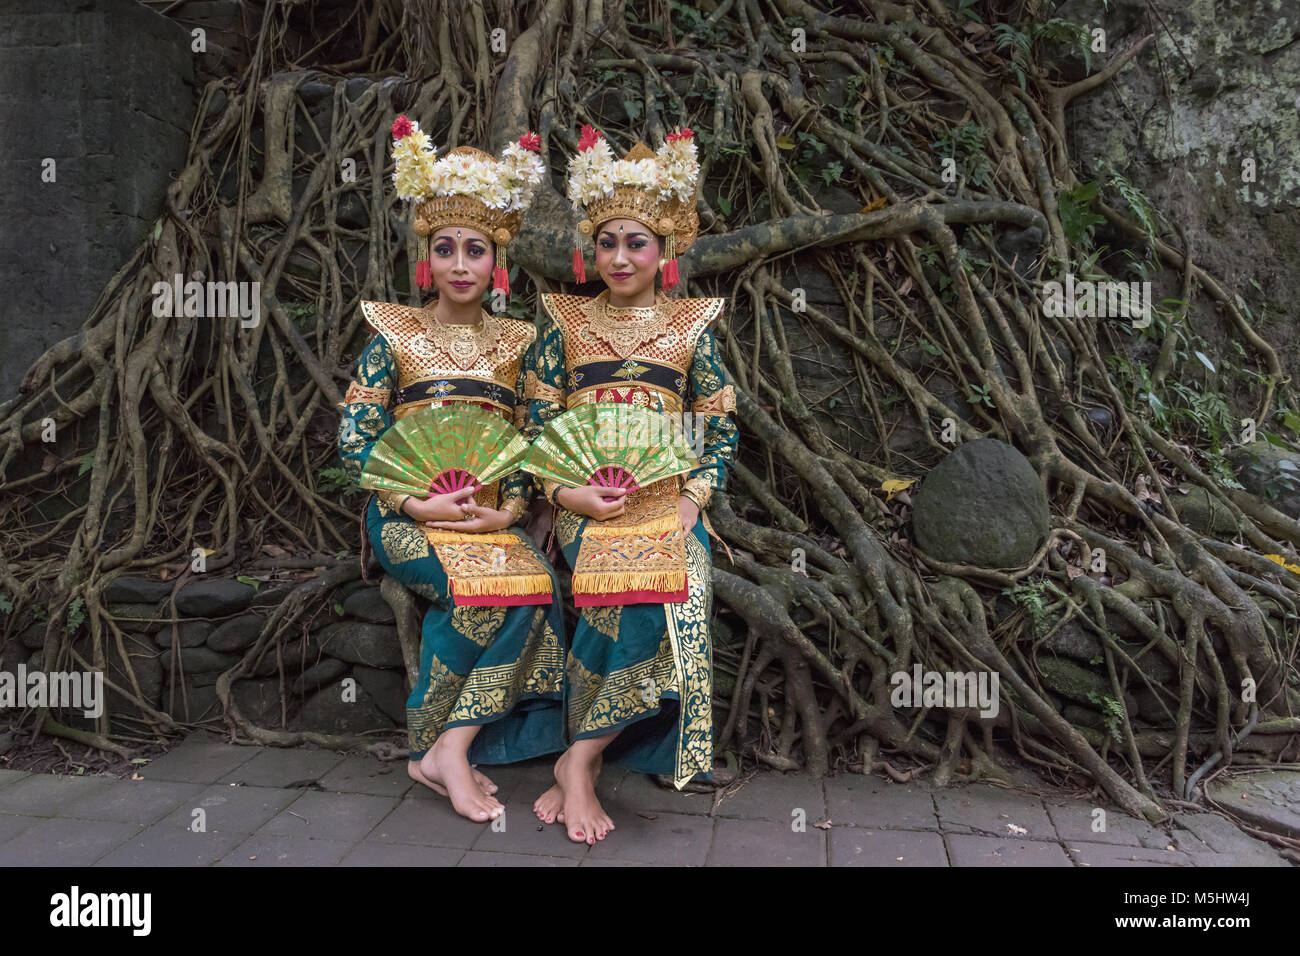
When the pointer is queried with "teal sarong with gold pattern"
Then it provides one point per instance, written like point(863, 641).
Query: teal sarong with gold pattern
point(645, 670)
point(501, 667)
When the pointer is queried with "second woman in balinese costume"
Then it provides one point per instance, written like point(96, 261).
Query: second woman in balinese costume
point(490, 684)
point(640, 666)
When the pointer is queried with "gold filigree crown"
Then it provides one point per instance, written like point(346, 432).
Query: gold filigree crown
point(653, 188)
point(466, 187)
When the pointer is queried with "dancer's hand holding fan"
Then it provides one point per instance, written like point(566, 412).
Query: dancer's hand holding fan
point(450, 452)
point(613, 447)
point(631, 558)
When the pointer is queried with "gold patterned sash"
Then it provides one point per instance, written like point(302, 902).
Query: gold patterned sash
point(493, 569)
point(638, 557)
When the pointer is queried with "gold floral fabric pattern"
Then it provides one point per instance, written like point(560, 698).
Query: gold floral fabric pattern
point(499, 667)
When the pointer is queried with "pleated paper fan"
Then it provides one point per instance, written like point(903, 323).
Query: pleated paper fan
point(439, 449)
point(610, 444)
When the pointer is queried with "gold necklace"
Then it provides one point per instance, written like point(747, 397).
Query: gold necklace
point(623, 329)
point(464, 343)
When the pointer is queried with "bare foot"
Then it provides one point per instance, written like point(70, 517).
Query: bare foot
point(549, 807)
point(585, 819)
point(452, 771)
point(415, 773)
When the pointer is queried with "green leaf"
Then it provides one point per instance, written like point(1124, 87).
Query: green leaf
point(1205, 361)
point(725, 205)
point(252, 582)
point(87, 462)
point(338, 609)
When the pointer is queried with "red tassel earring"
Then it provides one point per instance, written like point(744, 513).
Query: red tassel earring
point(671, 277)
point(423, 274)
point(501, 274)
point(579, 267)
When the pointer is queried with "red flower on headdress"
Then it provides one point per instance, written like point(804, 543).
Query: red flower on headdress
point(588, 138)
point(402, 127)
point(531, 142)
point(684, 134)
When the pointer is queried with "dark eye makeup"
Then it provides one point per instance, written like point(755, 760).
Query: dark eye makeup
point(445, 247)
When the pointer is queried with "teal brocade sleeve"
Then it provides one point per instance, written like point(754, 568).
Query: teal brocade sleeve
point(544, 390)
point(711, 396)
point(365, 407)
point(519, 484)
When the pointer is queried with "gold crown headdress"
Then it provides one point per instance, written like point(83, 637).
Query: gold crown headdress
point(654, 188)
point(466, 187)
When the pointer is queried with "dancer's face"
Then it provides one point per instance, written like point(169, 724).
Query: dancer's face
point(627, 256)
point(460, 261)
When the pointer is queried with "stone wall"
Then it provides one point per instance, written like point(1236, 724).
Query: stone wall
point(106, 90)
point(177, 660)
point(1216, 91)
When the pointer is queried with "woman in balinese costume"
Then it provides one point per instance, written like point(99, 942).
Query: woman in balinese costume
point(640, 664)
point(491, 669)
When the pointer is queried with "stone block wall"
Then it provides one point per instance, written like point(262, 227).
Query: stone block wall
point(177, 660)
point(106, 90)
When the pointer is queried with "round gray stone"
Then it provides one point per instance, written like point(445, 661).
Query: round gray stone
point(369, 605)
point(129, 590)
point(983, 505)
point(236, 634)
point(387, 687)
point(319, 675)
point(188, 634)
point(215, 598)
point(326, 711)
point(356, 642)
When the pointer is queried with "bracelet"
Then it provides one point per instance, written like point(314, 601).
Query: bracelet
point(551, 489)
point(698, 490)
point(515, 505)
point(394, 500)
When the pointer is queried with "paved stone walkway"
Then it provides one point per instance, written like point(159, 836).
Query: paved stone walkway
point(267, 807)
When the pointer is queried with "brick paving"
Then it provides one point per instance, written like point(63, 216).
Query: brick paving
point(207, 803)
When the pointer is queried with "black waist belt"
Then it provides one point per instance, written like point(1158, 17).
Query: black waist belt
point(631, 372)
point(461, 388)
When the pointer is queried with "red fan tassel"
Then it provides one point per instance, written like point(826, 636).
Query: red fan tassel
point(579, 267)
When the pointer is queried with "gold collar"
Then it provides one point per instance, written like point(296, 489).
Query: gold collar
point(464, 343)
point(625, 329)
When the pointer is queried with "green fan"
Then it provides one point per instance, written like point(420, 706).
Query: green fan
point(440, 449)
point(610, 445)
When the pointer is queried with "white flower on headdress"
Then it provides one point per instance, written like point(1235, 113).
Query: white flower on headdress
point(413, 163)
point(672, 172)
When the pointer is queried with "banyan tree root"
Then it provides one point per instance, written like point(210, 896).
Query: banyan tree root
point(180, 432)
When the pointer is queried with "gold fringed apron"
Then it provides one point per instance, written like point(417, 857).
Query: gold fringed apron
point(491, 569)
point(638, 557)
